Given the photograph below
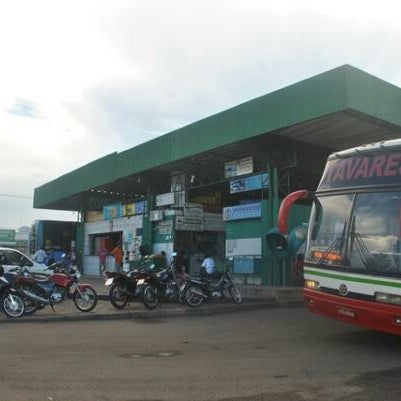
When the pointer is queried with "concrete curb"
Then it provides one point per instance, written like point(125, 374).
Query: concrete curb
point(205, 310)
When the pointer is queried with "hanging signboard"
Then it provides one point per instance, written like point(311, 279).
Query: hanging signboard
point(214, 222)
point(249, 183)
point(238, 167)
point(165, 199)
point(165, 227)
point(132, 209)
point(240, 212)
point(193, 209)
point(112, 211)
point(185, 223)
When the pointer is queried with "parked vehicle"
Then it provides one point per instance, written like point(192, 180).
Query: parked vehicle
point(163, 285)
point(199, 289)
point(13, 258)
point(125, 287)
point(11, 303)
point(128, 286)
point(39, 293)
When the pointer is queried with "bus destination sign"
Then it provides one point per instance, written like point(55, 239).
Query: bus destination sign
point(376, 169)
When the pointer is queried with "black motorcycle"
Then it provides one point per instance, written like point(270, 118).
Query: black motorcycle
point(11, 302)
point(122, 287)
point(199, 289)
point(164, 285)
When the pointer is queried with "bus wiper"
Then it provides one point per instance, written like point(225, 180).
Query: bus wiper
point(363, 251)
point(361, 247)
point(336, 245)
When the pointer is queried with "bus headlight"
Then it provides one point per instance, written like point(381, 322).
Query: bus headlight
point(388, 298)
point(312, 284)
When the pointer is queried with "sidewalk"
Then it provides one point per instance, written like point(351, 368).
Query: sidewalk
point(250, 293)
point(254, 298)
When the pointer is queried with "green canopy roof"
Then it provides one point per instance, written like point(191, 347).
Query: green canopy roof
point(340, 108)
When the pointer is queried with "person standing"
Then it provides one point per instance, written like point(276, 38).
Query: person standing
point(118, 254)
point(40, 255)
point(102, 254)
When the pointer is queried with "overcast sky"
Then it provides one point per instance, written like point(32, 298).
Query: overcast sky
point(81, 79)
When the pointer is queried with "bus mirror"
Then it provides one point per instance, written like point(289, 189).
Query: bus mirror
point(285, 208)
point(277, 244)
point(315, 224)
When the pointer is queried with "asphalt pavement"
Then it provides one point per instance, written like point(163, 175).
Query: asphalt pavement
point(254, 298)
point(277, 354)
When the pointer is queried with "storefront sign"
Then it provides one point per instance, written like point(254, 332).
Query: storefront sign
point(247, 211)
point(165, 199)
point(193, 209)
point(249, 183)
point(185, 223)
point(165, 227)
point(238, 167)
point(140, 207)
point(132, 209)
point(112, 211)
point(214, 222)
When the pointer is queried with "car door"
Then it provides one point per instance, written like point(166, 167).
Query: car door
point(14, 258)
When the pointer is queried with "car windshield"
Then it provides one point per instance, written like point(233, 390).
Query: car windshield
point(358, 231)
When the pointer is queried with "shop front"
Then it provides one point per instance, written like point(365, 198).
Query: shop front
point(117, 224)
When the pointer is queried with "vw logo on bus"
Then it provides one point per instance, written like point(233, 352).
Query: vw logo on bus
point(343, 290)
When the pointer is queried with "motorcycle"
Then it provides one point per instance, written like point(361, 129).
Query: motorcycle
point(128, 286)
point(199, 289)
point(11, 303)
point(162, 285)
point(37, 294)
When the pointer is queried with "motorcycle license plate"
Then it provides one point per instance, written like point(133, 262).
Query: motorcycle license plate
point(108, 282)
point(141, 281)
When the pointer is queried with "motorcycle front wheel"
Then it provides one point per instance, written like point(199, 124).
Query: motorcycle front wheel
point(85, 299)
point(118, 297)
point(235, 294)
point(149, 297)
point(194, 296)
point(12, 305)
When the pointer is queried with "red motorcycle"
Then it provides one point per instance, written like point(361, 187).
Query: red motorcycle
point(39, 293)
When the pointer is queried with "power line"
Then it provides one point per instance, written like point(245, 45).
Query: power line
point(16, 196)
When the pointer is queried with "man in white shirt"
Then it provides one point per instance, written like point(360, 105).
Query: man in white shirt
point(40, 255)
point(208, 267)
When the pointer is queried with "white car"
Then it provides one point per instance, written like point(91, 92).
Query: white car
point(11, 258)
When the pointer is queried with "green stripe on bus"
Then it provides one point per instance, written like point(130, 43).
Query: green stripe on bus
point(355, 279)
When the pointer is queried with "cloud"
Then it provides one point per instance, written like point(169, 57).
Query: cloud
point(23, 108)
point(82, 79)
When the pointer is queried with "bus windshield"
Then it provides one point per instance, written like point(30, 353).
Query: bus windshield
point(359, 232)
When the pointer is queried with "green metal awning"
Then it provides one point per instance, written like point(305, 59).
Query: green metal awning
point(341, 108)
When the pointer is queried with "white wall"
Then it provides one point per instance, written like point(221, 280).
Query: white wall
point(126, 225)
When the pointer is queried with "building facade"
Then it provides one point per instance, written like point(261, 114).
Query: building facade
point(215, 186)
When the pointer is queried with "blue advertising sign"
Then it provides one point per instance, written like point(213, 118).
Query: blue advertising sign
point(112, 211)
point(140, 207)
point(249, 183)
point(247, 211)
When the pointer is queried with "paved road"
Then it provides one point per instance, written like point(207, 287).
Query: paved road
point(282, 354)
